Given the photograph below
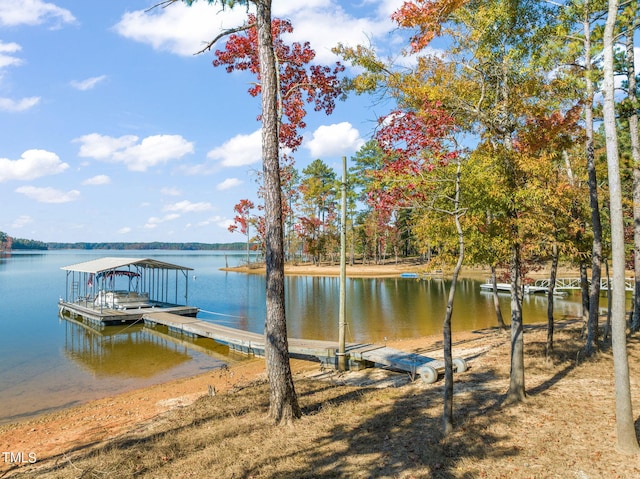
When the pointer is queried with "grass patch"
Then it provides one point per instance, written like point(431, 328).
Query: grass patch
point(566, 428)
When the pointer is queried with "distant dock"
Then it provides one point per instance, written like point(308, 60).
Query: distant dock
point(360, 355)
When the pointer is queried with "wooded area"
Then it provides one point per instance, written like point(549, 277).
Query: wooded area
point(512, 143)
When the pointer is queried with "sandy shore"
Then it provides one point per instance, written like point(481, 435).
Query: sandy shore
point(52, 436)
point(391, 269)
point(55, 434)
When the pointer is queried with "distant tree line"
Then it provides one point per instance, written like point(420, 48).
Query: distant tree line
point(7, 243)
point(150, 246)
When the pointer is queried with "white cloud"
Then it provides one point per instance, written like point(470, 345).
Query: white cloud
point(224, 223)
point(334, 140)
point(328, 24)
point(187, 206)
point(88, 84)
point(151, 151)
point(31, 165)
point(21, 222)
point(170, 191)
point(180, 29)
point(124, 230)
point(102, 147)
point(219, 221)
point(32, 12)
point(48, 195)
point(240, 150)
point(6, 59)
point(7, 104)
point(184, 30)
point(154, 221)
point(97, 180)
point(228, 184)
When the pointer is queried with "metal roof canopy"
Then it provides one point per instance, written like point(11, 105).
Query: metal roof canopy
point(108, 264)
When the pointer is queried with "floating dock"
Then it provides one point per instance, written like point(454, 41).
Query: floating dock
point(113, 290)
point(359, 355)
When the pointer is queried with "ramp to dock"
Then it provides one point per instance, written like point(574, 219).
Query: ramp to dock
point(360, 355)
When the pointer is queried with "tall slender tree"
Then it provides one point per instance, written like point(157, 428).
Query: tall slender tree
point(627, 440)
point(283, 404)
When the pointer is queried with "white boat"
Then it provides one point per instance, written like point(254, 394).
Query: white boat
point(488, 286)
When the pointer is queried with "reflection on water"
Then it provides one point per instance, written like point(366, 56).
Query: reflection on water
point(47, 363)
point(401, 308)
point(127, 352)
point(135, 351)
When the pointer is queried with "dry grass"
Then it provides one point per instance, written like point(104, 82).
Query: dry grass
point(566, 428)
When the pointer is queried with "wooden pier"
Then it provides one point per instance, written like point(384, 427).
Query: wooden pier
point(359, 355)
point(103, 316)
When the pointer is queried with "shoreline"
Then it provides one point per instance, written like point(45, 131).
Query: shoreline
point(89, 424)
point(54, 434)
point(394, 270)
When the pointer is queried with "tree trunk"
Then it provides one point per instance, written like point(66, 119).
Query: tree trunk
point(626, 433)
point(635, 154)
point(283, 404)
point(584, 285)
point(591, 343)
point(447, 417)
point(496, 299)
point(607, 325)
point(552, 284)
point(516, 391)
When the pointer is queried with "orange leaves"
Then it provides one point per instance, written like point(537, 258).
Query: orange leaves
point(427, 16)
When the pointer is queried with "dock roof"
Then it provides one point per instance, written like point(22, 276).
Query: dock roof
point(112, 263)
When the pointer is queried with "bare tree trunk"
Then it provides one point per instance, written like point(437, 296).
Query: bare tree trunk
point(447, 417)
point(496, 299)
point(552, 284)
point(591, 343)
point(635, 154)
point(283, 404)
point(626, 433)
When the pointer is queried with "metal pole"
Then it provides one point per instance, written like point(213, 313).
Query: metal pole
point(342, 363)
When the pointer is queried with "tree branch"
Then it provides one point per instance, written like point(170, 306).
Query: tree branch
point(229, 31)
point(163, 4)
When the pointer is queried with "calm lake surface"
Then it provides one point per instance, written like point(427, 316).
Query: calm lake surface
point(48, 363)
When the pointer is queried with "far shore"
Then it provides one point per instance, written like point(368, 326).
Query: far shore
point(391, 269)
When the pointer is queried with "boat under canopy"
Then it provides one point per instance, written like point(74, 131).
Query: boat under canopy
point(119, 290)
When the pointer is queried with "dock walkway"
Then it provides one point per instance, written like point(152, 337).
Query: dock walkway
point(359, 355)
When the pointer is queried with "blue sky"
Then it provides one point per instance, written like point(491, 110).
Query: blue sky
point(112, 130)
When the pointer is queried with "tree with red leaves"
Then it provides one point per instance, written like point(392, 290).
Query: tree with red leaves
point(300, 81)
point(283, 400)
point(242, 221)
point(286, 82)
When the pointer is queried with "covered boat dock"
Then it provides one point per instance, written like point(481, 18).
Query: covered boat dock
point(114, 290)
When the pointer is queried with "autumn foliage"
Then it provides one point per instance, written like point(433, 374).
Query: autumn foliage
point(428, 16)
point(301, 82)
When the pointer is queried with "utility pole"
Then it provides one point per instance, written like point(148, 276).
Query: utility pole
point(342, 362)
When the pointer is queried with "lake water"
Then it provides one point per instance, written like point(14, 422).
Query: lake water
point(48, 363)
